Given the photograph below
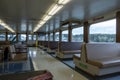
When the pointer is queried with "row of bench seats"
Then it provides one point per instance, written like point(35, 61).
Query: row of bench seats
point(93, 58)
point(67, 49)
point(99, 58)
point(63, 50)
point(18, 53)
point(15, 52)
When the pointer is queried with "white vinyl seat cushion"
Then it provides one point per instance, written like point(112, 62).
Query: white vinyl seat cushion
point(106, 62)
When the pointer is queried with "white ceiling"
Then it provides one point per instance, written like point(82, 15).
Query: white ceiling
point(17, 12)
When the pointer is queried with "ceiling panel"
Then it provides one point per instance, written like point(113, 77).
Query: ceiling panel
point(15, 12)
point(19, 11)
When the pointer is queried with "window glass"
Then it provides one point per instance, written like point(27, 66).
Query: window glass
point(11, 37)
point(57, 36)
point(2, 36)
point(23, 27)
point(103, 31)
point(34, 37)
point(65, 35)
point(22, 37)
point(29, 37)
point(46, 37)
point(30, 27)
point(41, 37)
point(51, 37)
point(77, 34)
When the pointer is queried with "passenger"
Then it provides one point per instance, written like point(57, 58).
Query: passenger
point(6, 51)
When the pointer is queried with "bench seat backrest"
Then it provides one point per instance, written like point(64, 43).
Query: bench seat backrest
point(69, 46)
point(12, 49)
point(45, 43)
point(53, 45)
point(102, 50)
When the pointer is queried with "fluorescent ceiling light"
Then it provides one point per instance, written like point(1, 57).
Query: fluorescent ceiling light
point(3, 24)
point(58, 8)
point(36, 28)
point(47, 17)
point(63, 1)
point(52, 11)
point(6, 26)
point(42, 23)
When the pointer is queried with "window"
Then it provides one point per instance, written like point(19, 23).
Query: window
point(30, 37)
point(30, 27)
point(57, 36)
point(23, 27)
point(65, 35)
point(41, 37)
point(77, 34)
point(34, 37)
point(51, 37)
point(2, 36)
point(46, 37)
point(11, 37)
point(22, 37)
point(103, 31)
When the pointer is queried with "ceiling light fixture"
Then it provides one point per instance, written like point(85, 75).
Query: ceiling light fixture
point(63, 1)
point(46, 17)
point(51, 12)
point(52, 9)
point(6, 26)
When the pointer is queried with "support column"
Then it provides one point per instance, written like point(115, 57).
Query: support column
point(53, 36)
point(86, 32)
point(48, 37)
point(6, 36)
point(45, 36)
point(17, 28)
point(37, 39)
point(17, 36)
point(27, 26)
point(54, 25)
point(69, 33)
point(60, 35)
point(118, 27)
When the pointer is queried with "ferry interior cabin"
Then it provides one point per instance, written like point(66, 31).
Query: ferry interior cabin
point(59, 39)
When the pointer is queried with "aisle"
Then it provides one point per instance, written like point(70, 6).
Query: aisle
point(60, 71)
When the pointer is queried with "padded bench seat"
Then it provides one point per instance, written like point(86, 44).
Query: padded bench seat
point(18, 57)
point(21, 55)
point(73, 51)
point(21, 51)
point(66, 50)
point(99, 58)
point(105, 62)
point(76, 56)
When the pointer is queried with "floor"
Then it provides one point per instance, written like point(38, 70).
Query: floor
point(43, 61)
point(61, 69)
